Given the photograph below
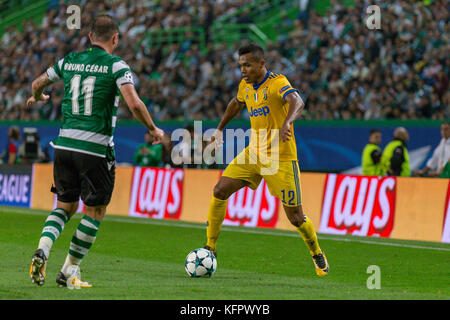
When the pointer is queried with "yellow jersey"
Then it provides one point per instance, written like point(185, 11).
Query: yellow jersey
point(268, 109)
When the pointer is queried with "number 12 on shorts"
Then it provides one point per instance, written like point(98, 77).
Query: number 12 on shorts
point(290, 195)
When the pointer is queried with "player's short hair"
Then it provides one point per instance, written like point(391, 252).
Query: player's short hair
point(104, 27)
point(256, 50)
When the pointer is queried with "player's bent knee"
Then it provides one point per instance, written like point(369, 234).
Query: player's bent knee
point(97, 212)
point(295, 215)
point(295, 221)
point(220, 192)
point(298, 223)
point(70, 207)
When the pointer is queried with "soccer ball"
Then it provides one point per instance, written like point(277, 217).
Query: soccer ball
point(200, 263)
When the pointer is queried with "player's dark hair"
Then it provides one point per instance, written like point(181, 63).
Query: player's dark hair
point(256, 51)
point(104, 27)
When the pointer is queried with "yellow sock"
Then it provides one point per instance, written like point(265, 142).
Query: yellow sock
point(309, 236)
point(216, 215)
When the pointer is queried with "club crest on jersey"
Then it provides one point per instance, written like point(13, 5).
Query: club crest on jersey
point(265, 93)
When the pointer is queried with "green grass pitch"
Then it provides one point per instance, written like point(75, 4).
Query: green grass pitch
point(143, 259)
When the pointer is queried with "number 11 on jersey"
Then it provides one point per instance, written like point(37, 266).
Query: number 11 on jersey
point(87, 89)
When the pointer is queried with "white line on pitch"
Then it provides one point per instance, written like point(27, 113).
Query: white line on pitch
point(267, 232)
point(174, 223)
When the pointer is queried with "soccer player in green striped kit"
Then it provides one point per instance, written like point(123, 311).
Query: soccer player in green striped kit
point(84, 162)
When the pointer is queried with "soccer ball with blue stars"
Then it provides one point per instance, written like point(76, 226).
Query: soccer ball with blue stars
point(200, 263)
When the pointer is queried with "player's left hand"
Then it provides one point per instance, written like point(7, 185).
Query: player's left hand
point(286, 133)
point(32, 99)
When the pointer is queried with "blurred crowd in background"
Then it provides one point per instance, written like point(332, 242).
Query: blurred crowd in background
point(342, 69)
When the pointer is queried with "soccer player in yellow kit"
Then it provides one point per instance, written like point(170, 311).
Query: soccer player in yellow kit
point(273, 105)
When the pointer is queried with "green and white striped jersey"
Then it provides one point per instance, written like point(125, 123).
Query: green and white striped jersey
point(92, 81)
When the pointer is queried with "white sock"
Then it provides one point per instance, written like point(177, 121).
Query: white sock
point(45, 243)
point(54, 225)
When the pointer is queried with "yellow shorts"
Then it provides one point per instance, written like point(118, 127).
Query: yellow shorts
point(282, 177)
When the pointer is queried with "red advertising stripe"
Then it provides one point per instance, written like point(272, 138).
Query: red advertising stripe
point(358, 205)
point(446, 222)
point(252, 208)
point(156, 193)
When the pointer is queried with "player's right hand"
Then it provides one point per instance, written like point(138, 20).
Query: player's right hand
point(217, 138)
point(286, 133)
point(32, 99)
point(158, 134)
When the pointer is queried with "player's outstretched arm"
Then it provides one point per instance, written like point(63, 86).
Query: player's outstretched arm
point(296, 106)
point(37, 87)
point(233, 108)
point(140, 111)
